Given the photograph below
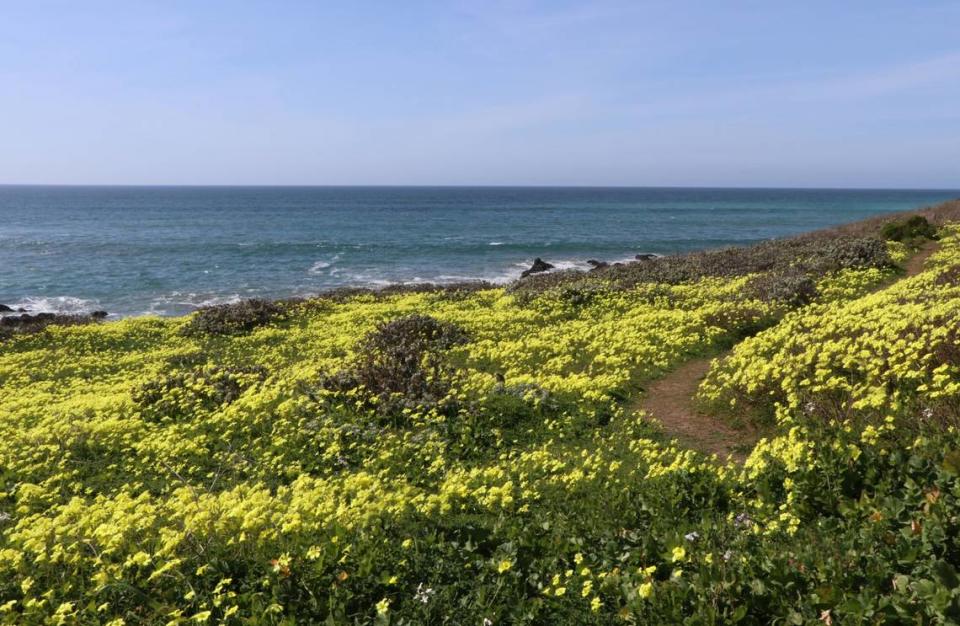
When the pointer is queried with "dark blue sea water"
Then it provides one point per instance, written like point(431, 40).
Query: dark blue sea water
point(168, 250)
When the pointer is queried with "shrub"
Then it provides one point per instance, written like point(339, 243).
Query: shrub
point(233, 319)
point(536, 284)
point(830, 255)
point(451, 291)
point(910, 230)
point(813, 256)
point(182, 395)
point(510, 406)
point(792, 287)
point(454, 291)
point(401, 365)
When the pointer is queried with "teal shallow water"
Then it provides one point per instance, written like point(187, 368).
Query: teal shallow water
point(168, 250)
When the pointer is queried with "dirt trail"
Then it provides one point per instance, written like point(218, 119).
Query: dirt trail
point(671, 399)
point(914, 264)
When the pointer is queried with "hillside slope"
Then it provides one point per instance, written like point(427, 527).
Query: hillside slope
point(471, 456)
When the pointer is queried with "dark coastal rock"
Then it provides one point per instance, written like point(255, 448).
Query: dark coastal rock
point(25, 323)
point(5, 309)
point(647, 256)
point(26, 319)
point(13, 320)
point(597, 265)
point(539, 265)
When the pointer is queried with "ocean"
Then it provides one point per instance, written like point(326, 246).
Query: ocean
point(169, 250)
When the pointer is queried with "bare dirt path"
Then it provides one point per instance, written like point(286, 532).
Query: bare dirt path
point(671, 399)
point(914, 264)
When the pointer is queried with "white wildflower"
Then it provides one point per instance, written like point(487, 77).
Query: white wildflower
point(423, 595)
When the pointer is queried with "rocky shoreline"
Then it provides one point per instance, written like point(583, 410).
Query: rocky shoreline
point(647, 266)
point(26, 323)
point(19, 317)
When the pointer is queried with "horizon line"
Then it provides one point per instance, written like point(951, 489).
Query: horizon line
point(469, 186)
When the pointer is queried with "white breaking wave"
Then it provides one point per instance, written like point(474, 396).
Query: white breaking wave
point(361, 279)
point(566, 264)
point(182, 302)
point(178, 302)
point(321, 265)
point(66, 305)
point(215, 300)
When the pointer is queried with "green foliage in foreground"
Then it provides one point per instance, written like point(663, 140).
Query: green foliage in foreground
point(466, 458)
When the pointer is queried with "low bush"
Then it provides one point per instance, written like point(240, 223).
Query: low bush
point(233, 319)
point(183, 395)
point(792, 287)
point(914, 229)
point(510, 406)
point(453, 291)
point(785, 259)
point(400, 365)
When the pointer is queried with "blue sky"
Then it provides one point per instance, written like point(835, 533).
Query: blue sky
point(839, 94)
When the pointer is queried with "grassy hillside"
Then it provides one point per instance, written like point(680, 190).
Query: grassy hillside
point(465, 455)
